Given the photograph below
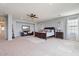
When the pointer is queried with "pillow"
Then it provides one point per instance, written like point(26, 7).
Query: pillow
point(49, 31)
point(52, 30)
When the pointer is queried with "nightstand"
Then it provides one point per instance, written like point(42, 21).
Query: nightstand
point(59, 35)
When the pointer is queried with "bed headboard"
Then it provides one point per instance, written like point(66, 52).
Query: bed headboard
point(50, 28)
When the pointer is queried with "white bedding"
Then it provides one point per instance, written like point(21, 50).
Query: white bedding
point(50, 33)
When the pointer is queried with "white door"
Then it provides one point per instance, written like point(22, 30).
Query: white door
point(72, 29)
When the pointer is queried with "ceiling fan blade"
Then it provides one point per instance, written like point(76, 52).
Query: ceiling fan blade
point(32, 15)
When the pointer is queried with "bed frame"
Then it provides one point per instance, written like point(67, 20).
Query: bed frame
point(43, 35)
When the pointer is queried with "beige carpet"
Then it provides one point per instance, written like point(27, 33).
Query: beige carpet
point(33, 46)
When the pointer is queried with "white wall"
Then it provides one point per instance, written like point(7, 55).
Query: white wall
point(17, 25)
point(52, 23)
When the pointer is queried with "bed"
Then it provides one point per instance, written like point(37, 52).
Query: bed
point(47, 32)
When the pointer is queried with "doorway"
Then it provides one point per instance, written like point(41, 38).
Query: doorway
point(2, 28)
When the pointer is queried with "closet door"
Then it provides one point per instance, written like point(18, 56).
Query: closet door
point(72, 29)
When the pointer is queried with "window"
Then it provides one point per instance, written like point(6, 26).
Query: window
point(25, 28)
point(72, 28)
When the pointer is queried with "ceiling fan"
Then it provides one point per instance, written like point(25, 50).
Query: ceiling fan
point(32, 15)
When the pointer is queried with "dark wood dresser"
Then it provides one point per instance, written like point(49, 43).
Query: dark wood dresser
point(59, 35)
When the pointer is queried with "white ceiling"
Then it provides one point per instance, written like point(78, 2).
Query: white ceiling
point(44, 11)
